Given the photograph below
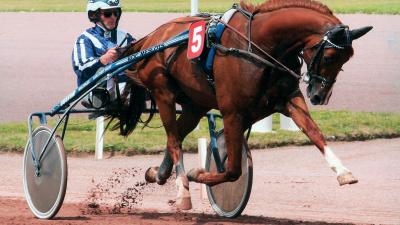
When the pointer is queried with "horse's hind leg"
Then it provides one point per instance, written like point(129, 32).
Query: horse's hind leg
point(161, 173)
point(186, 123)
point(165, 100)
point(297, 109)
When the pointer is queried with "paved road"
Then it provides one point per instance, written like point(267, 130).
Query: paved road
point(290, 184)
point(35, 71)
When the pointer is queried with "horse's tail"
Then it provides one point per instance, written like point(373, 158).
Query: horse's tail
point(131, 109)
point(132, 102)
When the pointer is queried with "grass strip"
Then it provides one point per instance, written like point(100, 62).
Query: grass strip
point(336, 126)
point(338, 6)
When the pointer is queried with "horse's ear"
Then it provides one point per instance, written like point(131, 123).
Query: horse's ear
point(357, 33)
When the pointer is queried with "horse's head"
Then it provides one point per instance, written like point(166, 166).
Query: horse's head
point(326, 58)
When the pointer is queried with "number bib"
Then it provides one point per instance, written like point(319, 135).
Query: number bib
point(196, 39)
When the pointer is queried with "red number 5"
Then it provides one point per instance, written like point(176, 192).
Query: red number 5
point(196, 39)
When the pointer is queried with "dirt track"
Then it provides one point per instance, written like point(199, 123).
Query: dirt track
point(36, 69)
point(291, 184)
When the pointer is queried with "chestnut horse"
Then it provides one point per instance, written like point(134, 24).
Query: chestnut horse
point(244, 89)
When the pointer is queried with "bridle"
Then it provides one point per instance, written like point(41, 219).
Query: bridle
point(313, 69)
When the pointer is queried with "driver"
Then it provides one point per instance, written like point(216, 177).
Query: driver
point(96, 47)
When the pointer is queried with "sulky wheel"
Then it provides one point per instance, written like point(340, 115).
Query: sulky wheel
point(230, 198)
point(45, 192)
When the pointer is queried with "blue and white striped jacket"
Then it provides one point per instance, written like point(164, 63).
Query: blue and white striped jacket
point(92, 44)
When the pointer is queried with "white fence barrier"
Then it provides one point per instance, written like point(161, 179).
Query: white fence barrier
point(287, 123)
point(263, 126)
point(194, 7)
point(202, 153)
point(99, 137)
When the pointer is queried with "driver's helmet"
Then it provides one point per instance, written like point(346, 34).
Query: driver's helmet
point(94, 6)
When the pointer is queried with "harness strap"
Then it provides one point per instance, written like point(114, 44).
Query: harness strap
point(247, 54)
point(285, 68)
point(250, 16)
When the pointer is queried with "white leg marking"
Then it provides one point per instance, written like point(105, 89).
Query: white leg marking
point(183, 200)
point(334, 162)
point(181, 189)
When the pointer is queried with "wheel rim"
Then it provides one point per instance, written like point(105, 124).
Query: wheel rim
point(45, 193)
point(230, 198)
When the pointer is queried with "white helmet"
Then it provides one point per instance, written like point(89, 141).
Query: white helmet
point(94, 5)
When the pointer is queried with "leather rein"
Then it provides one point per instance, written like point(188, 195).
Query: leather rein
point(324, 43)
point(249, 54)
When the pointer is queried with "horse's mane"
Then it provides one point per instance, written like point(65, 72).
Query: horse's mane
point(273, 5)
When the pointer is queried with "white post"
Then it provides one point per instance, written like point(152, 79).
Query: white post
point(202, 148)
point(99, 137)
point(287, 123)
point(263, 126)
point(194, 7)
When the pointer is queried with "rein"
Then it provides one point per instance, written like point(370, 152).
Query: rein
point(249, 53)
point(324, 43)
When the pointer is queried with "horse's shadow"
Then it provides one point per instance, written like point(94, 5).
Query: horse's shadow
point(202, 218)
point(72, 218)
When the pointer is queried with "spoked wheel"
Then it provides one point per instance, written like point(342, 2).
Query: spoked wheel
point(229, 199)
point(45, 192)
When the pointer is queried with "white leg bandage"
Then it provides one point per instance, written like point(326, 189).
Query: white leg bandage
point(334, 162)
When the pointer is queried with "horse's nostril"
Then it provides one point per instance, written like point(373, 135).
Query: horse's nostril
point(316, 100)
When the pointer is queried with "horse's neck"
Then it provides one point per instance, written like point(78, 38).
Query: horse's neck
point(289, 30)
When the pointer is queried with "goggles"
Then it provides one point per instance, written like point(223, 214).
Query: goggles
point(109, 13)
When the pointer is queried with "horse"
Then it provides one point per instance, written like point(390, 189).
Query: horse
point(273, 38)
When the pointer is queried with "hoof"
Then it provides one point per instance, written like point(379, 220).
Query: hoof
point(347, 178)
point(193, 174)
point(151, 174)
point(161, 182)
point(183, 201)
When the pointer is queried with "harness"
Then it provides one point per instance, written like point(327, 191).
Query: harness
point(214, 32)
point(217, 26)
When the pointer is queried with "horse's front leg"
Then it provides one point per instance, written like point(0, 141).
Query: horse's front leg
point(298, 111)
point(233, 133)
